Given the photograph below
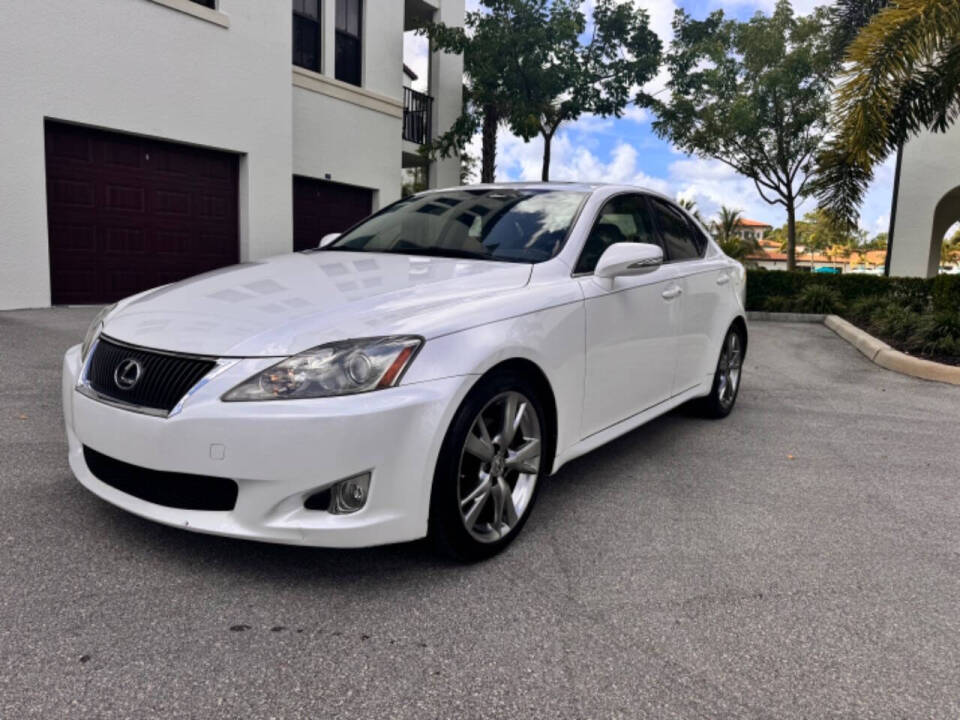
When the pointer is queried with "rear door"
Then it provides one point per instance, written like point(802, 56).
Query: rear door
point(631, 323)
point(704, 304)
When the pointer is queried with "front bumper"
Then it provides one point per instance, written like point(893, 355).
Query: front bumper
point(278, 452)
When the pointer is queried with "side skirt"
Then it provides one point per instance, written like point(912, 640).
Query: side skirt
point(592, 442)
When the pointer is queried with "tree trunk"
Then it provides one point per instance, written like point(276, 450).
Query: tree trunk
point(545, 174)
point(791, 235)
point(488, 165)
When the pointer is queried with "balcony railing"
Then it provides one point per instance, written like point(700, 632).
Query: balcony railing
point(417, 112)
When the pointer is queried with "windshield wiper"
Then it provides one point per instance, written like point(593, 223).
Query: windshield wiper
point(439, 252)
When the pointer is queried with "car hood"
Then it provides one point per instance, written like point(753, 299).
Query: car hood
point(286, 304)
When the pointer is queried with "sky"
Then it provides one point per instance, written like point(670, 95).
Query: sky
point(626, 150)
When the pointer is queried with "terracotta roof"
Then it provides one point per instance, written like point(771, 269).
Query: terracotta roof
point(747, 222)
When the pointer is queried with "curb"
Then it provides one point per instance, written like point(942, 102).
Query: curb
point(785, 317)
point(886, 357)
point(877, 351)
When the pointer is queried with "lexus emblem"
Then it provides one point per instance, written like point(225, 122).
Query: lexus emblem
point(127, 374)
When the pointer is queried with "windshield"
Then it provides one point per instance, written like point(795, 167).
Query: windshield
point(513, 225)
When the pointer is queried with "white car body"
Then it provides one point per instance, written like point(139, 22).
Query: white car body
point(615, 353)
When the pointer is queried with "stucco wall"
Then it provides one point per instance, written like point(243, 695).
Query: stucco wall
point(926, 205)
point(141, 67)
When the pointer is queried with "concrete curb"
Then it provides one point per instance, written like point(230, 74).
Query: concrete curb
point(886, 357)
point(877, 351)
point(784, 317)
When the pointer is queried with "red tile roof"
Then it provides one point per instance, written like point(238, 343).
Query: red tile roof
point(747, 222)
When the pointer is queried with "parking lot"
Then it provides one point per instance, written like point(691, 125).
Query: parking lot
point(799, 559)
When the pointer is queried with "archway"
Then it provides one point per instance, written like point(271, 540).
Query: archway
point(945, 223)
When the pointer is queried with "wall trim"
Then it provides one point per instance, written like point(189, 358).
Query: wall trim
point(198, 11)
point(315, 82)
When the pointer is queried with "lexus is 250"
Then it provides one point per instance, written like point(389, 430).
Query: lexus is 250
point(422, 374)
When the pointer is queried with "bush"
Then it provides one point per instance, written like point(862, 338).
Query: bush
point(946, 293)
point(862, 309)
point(819, 299)
point(893, 321)
point(911, 292)
point(938, 333)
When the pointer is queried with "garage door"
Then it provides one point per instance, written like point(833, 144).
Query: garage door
point(127, 213)
point(324, 207)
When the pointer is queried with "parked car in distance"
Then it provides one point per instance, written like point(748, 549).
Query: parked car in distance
point(422, 374)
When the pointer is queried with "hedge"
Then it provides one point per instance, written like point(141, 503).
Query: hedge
point(775, 290)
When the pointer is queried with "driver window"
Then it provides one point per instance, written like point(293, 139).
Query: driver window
point(623, 219)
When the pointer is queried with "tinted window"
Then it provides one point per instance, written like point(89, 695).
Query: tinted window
point(499, 224)
point(306, 34)
point(349, 50)
point(680, 241)
point(623, 219)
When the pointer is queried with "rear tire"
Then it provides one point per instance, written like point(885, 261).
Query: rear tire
point(489, 471)
point(726, 380)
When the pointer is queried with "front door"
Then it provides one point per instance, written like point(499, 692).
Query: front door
point(631, 323)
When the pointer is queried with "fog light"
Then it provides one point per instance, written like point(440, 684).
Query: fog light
point(350, 495)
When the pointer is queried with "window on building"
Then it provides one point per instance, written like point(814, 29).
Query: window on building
point(349, 53)
point(212, 4)
point(306, 34)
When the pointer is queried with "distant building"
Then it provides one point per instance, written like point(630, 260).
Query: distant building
point(771, 257)
point(747, 229)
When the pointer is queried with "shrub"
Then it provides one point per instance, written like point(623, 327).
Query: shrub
point(777, 303)
point(945, 293)
point(894, 321)
point(862, 309)
point(938, 333)
point(819, 299)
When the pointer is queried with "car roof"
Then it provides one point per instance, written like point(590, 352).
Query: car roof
point(588, 187)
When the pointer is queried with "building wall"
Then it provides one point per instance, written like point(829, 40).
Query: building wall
point(928, 202)
point(140, 66)
point(223, 79)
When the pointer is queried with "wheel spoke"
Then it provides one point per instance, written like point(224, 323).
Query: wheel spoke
point(525, 457)
point(479, 491)
point(512, 415)
point(509, 509)
point(497, 493)
point(470, 518)
point(480, 446)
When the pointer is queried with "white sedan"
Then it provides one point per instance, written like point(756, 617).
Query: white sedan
point(421, 374)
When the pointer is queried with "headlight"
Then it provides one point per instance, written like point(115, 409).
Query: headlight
point(340, 368)
point(94, 330)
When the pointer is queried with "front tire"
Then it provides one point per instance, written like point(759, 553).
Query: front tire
point(488, 473)
point(726, 380)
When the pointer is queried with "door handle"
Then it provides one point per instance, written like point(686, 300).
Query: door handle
point(723, 280)
point(671, 293)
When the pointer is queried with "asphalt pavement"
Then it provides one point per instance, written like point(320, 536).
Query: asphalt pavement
point(800, 559)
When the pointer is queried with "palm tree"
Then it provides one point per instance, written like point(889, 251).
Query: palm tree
point(724, 229)
point(901, 75)
point(690, 205)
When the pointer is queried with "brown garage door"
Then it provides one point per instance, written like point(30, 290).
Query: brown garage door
point(324, 207)
point(127, 213)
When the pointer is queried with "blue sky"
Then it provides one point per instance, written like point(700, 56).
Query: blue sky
point(627, 150)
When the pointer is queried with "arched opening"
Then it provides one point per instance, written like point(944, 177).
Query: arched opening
point(946, 224)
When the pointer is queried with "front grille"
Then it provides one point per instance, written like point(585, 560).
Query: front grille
point(175, 490)
point(163, 378)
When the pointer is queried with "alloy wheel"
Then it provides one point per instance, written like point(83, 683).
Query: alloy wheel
point(499, 465)
point(731, 361)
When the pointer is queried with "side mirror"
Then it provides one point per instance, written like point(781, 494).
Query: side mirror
point(627, 258)
point(328, 238)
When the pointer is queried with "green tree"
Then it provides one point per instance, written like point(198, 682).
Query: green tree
point(879, 242)
point(753, 95)
point(901, 75)
point(528, 65)
point(725, 227)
